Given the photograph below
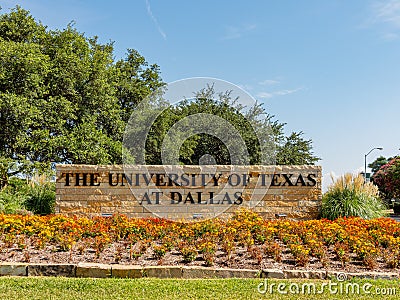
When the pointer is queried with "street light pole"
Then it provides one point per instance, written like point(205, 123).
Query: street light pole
point(365, 161)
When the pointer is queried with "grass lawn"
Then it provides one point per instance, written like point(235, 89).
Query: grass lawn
point(91, 289)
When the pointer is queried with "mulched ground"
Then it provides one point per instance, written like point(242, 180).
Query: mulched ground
point(119, 253)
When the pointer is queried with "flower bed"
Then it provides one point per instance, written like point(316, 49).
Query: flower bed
point(243, 241)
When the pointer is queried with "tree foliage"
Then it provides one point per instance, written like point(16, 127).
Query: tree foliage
point(387, 178)
point(63, 98)
point(378, 163)
point(261, 134)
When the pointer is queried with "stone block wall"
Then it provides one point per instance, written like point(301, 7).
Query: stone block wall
point(188, 192)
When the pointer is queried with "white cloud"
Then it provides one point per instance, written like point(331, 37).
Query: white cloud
point(267, 95)
point(390, 36)
point(387, 12)
point(235, 32)
point(287, 92)
point(268, 82)
point(150, 13)
point(385, 15)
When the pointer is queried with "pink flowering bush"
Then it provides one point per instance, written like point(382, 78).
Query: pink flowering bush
point(387, 178)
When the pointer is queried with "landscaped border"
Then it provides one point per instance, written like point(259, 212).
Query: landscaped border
point(353, 242)
point(96, 270)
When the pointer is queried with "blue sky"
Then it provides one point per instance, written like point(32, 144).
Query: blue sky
point(328, 68)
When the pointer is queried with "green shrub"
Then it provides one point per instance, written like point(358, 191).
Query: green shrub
point(11, 203)
point(13, 196)
point(37, 196)
point(350, 196)
point(41, 196)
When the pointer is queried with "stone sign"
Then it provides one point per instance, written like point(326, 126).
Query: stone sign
point(188, 192)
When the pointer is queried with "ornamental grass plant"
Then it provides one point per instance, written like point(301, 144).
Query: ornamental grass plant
point(41, 195)
point(350, 196)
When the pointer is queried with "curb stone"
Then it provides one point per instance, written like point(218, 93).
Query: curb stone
point(291, 274)
point(236, 273)
point(162, 271)
point(126, 271)
point(65, 270)
point(367, 275)
point(97, 270)
point(198, 272)
point(378, 275)
point(93, 270)
point(13, 269)
point(272, 273)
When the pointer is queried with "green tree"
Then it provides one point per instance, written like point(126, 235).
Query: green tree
point(294, 150)
point(63, 97)
point(251, 123)
point(378, 163)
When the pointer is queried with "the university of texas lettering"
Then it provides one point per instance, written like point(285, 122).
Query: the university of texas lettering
point(183, 180)
point(186, 191)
